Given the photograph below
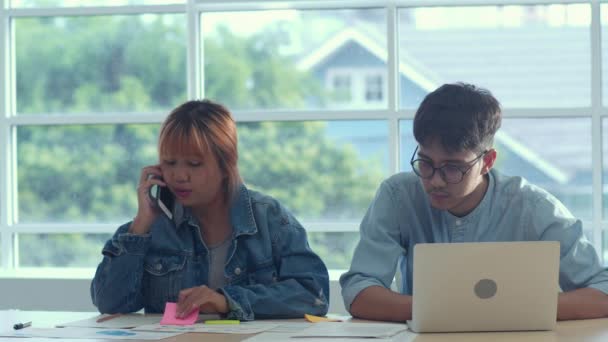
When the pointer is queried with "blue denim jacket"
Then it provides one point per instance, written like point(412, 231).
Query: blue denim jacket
point(270, 271)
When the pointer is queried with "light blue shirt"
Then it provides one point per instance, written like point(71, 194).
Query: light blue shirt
point(512, 209)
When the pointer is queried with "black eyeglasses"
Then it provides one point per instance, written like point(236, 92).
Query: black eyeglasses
point(450, 173)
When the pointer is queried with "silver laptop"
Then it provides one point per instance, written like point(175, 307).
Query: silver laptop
point(485, 286)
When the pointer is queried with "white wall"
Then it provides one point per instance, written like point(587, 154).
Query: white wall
point(73, 295)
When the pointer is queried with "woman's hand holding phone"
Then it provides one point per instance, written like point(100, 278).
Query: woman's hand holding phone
point(147, 211)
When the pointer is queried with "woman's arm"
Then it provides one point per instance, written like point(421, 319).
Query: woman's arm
point(301, 285)
point(116, 287)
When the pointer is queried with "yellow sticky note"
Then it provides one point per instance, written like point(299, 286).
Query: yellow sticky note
point(317, 319)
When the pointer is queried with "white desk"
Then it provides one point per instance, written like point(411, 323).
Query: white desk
point(595, 330)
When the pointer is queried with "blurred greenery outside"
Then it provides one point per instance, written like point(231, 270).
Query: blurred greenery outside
point(88, 173)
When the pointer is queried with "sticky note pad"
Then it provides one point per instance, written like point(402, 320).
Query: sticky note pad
point(317, 319)
point(170, 319)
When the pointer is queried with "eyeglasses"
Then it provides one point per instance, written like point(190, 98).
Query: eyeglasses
point(450, 173)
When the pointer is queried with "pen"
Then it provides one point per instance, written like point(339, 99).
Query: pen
point(223, 321)
point(22, 325)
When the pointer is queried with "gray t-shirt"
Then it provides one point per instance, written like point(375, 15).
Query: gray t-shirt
point(217, 262)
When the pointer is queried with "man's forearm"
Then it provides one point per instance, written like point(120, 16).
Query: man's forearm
point(582, 304)
point(382, 304)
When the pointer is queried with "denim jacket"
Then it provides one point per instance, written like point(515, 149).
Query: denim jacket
point(270, 270)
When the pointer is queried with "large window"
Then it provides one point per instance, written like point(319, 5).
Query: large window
point(324, 94)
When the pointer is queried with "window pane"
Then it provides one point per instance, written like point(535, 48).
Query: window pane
point(527, 148)
point(82, 3)
point(407, 144)
point(604, 34)
point(319, 170)
point(528, 56)
point(296, 59)
point(61, 250)
point(100, 64)
point(605, 167)
point(82, 173)
point(336, 249)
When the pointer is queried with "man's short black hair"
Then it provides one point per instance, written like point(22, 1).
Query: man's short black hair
point(461, 116)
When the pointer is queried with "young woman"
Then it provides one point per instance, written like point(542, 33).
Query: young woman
point(226, 249)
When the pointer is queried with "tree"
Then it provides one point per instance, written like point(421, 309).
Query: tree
point(88, 173)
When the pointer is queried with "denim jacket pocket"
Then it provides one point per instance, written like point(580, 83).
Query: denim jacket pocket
point(162, 279)
point(265, 273)
point(160, 265)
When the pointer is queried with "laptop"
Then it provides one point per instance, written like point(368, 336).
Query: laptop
point(485, 286)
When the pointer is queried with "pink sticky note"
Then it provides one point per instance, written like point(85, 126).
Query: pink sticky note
point(170, 319)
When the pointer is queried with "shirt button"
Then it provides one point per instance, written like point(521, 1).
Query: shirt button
point(159, 267)
point(458, 222)
point(237, 271)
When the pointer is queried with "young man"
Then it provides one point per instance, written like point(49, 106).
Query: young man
point(453, 195)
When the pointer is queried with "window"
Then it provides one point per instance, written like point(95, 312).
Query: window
point(324, 97)
point(374, 88)
point(342, 88)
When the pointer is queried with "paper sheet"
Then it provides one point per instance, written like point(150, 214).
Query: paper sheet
point(290, 327)
point(111, 334)
point(119, 322)
point(348, 329)
point(125, 321)
point(404, 336)
point(243, 328)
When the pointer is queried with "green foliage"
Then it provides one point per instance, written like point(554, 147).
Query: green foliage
point(298, 164)
point(81, 173)
point(100, 64)
point(89, 173)
point(246, 73)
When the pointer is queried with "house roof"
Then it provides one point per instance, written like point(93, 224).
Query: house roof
point(523, 67)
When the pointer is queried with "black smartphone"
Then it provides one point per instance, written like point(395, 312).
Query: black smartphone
point(163, 199)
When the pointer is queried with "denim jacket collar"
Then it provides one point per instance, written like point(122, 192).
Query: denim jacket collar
point(241, 214)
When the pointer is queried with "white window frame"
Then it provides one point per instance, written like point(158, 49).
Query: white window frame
point(391, 113)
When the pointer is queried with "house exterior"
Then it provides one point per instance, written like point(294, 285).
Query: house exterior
point(352, 66)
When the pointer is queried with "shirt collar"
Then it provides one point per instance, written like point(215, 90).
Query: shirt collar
point(480, 208)
point(241, 213)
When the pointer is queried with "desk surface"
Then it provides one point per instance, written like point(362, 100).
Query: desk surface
point(595, 330)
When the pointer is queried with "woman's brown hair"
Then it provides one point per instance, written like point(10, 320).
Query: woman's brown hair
point(202, 126)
